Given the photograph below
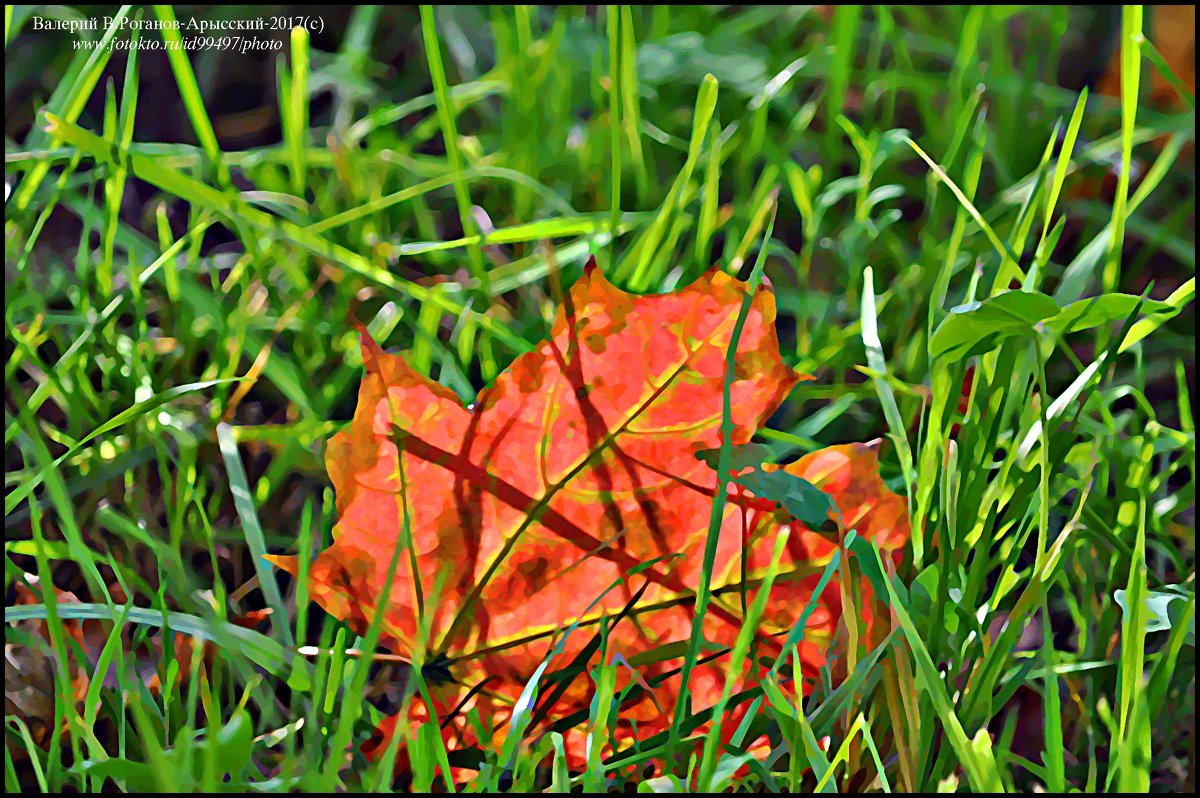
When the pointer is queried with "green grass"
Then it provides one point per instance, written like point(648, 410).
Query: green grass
point(182, 287)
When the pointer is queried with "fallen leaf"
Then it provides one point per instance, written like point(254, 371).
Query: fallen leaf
point(575, 471)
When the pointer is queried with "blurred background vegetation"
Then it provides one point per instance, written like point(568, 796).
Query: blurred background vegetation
point(347, 176)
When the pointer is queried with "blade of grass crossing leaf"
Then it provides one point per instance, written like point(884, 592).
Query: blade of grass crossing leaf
point(386, 770)
point(530, 716)
point(602, 704)
point(704, 590)
point(427, 599)
point(737, 661)
point(797, 631)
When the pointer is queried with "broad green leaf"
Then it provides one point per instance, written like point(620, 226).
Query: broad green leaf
point(978, 327)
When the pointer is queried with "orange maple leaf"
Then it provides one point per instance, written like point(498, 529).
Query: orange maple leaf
point(574, 471)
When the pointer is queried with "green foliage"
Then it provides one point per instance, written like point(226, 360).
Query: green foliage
point(979, 262)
